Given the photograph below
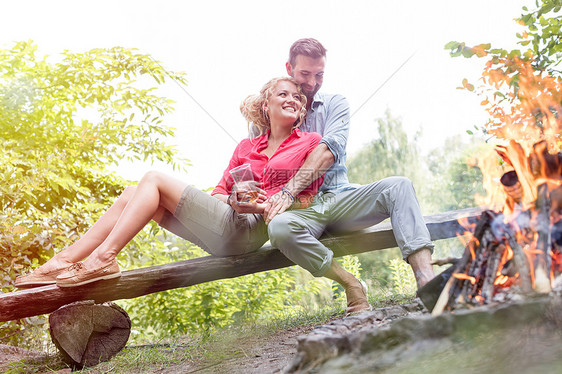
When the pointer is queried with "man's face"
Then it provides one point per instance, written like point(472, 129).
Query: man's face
point(309, 73)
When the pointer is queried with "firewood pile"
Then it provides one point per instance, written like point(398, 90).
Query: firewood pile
point(513, 252)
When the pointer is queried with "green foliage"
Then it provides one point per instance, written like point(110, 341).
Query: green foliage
point(456, 178)
point(541, 39)
point(375, 267)
point(207, 306)
point(391, 153)
point(403, 280)
point(543, 35)
point(62, 121)
point(522, 86)
point(217, 304)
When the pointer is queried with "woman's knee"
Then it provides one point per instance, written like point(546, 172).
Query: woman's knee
point(228, 249)
point(152, 176)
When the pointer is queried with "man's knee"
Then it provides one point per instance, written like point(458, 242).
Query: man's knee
point(282, 229)
point(402, 183)
point(401, 188)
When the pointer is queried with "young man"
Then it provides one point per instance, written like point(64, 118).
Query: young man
point(340, 206)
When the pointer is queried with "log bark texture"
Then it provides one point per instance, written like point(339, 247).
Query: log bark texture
point(139, 282)
point(87, 333)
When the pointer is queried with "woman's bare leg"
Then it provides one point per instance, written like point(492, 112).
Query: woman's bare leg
point(98, 233)
point(155, 193)
point(88, 242)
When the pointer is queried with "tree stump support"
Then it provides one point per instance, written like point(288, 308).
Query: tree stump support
point(87, 333)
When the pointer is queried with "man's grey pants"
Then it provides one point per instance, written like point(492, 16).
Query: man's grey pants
point(295, 233)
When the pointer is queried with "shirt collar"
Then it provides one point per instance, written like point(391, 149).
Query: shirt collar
point(263, 140)
point(317, 100)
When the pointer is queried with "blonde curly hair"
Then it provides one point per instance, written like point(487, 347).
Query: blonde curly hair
point(253, 107)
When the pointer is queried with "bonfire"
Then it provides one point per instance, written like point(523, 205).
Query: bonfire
point(514, 249)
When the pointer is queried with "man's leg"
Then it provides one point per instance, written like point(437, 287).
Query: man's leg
point(392, 197)
point(354, 292)
point(420, 262)
point(295, 234)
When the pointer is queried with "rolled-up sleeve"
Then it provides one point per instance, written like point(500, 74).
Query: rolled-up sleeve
point(336, 129)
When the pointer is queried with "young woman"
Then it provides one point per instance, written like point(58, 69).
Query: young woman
point(219, 224)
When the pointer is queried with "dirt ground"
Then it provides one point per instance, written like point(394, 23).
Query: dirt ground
point(10, 353)
point(254, 355)
point(257, 354)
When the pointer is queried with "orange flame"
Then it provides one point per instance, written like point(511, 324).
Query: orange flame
point(464, 276)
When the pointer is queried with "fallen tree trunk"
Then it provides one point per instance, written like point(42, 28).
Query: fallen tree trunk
point(139, 282)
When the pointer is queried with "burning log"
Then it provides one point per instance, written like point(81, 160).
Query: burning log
point(450, 289)
point(506, 250)
point(495, 255)
point(520, 244)
point(542, 261)
point(521, 266)
point(465, 265)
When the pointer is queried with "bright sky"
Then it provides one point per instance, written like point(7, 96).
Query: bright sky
point(229, 49)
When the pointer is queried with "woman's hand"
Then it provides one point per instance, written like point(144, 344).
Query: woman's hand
point(242, 207)
point(247, 197)
point(248, 191)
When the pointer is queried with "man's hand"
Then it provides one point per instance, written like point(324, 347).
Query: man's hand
point(276, 204)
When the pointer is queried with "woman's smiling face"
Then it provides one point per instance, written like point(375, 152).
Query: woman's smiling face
point(285, 103)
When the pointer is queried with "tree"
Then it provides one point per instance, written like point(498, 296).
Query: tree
point(522, 90)
point(391, 153)
point(455, 176)
point(61, 123)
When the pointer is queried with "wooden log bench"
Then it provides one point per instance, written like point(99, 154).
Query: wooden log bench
point(139, 282)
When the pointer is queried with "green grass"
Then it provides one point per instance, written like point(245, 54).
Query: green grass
point(209, 347)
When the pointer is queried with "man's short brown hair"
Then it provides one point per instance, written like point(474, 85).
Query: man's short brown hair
point(307, 47)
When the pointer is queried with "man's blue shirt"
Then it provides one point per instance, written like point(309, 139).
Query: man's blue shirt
point(329, 116)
